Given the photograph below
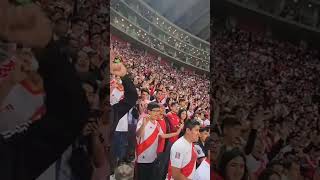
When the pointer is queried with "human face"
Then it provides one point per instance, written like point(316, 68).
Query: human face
point(174, 108)
point(215, 149)
point(182, 103)
point(233, 133)
point(204, 135)
point(89, 93)
point(183, 115)
point(194, 133)
point(160, 94)
point(144, 95)
point(235, 169)
point(154, 113)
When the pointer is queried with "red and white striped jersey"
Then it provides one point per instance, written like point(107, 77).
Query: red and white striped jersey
point(22, 106)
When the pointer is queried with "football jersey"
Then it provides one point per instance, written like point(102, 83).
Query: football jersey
point(149, 154)
point(21, 107)
point(174, 122)
point(182, 154)
point(203, 171)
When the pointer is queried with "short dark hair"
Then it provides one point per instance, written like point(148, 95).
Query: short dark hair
point(144, 90)
point(173, 103)
point(190, 124)
point(152, 106)
point(204, 129)
point(226, 157)
point(181, 111)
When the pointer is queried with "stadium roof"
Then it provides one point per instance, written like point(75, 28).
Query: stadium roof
point(191, 15)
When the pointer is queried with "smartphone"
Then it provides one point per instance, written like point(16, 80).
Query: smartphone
point(117, 60)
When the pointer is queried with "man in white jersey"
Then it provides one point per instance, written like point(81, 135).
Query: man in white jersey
point(15, 115)
point(148, 132)
point(203, 171)
point(183, 156)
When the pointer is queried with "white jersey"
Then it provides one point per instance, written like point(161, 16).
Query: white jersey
point(123, 124)
point(116, 96)
point(150, 154)
point(181, 155)
point(203, 171)
point(206, 122)
point(20, 108)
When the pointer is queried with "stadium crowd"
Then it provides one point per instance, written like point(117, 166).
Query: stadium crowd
point(32, 98)
point(265, 108)
point(178, 102)
point(65, 128)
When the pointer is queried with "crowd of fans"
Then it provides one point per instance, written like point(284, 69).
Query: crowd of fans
point(180, 96)
point(80, 29)
point(265, 108)
point(48, 118)
point(169, 37)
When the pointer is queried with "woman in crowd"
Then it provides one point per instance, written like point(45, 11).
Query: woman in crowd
point(232, 165)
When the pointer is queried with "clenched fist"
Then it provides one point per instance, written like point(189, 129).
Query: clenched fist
point(27, 25)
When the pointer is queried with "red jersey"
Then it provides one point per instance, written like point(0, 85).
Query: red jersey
point(161, 140)
point(174, 122)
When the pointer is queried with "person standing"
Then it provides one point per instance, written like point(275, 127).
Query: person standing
point(183, 156)
point(174, 120)
point(148, 133)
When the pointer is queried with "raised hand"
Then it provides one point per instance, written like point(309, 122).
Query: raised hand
point(180, 128)
point(118, 69)
point(26, 24)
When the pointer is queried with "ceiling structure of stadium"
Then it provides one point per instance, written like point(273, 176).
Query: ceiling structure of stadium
point(191, 15)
